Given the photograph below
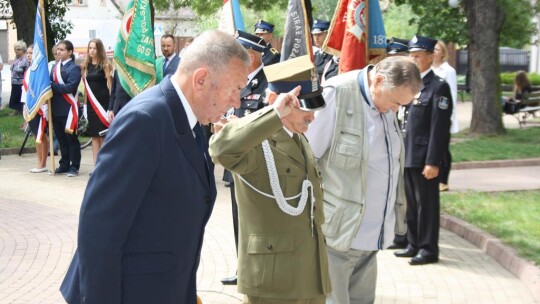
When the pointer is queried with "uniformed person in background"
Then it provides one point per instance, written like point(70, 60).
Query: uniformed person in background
point(398, 47)
point(427, 129)
point(265, 30)
point(251, 100)
point(319, 31)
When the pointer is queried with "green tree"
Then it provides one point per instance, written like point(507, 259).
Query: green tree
point(483, 26)
point(23, 13)
point(397, 26)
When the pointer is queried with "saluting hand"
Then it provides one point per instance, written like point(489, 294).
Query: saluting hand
point(285, 102)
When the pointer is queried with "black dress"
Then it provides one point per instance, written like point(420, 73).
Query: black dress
point(98, 83)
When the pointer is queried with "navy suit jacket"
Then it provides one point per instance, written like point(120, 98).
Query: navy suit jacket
point(172, 66)
point(71, 74)
point(144, 210)
point(119, 96)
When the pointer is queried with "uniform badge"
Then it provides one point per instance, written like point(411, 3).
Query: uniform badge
point(416, 97)
point(246, 112)
point(255, 82)
point(443, 103)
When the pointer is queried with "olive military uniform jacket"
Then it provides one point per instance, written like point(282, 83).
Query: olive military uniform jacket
point(279, 256)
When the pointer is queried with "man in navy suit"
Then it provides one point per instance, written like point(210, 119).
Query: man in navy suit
point(146, 205)
point(170, 58)
point(65, 79)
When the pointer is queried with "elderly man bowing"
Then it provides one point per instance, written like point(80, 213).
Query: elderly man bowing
point(148, 201)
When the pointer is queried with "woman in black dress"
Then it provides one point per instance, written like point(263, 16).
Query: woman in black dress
point(97, 79)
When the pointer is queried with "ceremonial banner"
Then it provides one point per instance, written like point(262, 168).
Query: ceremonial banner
point(231, 17)
point(356, 33)
point(36, 83)
point(297, 37)
point(134, 54)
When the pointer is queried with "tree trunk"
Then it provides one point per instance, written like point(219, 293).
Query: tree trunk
point(484, 21)
point(24, 14)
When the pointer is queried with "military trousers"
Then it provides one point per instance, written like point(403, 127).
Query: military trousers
point(261, 300)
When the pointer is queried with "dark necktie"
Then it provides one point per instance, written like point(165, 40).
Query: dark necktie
point(165, 63)
point(201, 144)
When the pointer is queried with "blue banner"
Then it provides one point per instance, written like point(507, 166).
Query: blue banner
point(377, 34)
point(37, 84)
point(237, 15)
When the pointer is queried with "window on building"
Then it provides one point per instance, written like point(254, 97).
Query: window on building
point(92, 34)
point(79, 2)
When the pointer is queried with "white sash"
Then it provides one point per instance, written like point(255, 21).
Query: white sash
point(101, 113)
point(73, 115)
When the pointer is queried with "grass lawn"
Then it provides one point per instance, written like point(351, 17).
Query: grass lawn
point(12, 135)
point(510, 216)
point(516, 143)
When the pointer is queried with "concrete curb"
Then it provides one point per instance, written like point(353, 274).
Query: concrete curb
point(496, 163)
point(526, 271)
point(13, 151)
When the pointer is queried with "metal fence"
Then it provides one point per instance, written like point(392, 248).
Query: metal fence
point(510, 60)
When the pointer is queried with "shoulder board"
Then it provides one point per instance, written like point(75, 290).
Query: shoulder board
point(274, 51)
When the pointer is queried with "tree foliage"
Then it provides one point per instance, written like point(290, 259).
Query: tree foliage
point(435, 18)
point(23, 13)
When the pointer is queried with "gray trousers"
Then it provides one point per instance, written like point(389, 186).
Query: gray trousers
point(353, 275)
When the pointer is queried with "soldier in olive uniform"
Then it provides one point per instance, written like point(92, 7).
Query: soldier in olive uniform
point(427, 131)
point(282, 254)
point(251, 100)
point(265, 30)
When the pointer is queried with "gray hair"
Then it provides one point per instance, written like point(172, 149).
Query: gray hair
point(212, 49)
point(20, 45)
point(399, 71)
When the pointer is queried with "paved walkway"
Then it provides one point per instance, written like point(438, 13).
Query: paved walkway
point(38, 237)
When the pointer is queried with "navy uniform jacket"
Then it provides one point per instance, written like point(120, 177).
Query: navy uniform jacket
point(270, 55)
point(119, 96)
point(172, 66)
point(321, 58)
point(427, 128)
point(71, 74)
point(144, 210)
point(251, 100)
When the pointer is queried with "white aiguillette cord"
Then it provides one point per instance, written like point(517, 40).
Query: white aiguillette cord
point(281, 200)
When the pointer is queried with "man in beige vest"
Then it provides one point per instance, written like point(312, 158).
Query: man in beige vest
point(281, 255)
point(359, 148)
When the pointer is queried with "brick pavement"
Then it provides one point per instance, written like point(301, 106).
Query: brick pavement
point(38, 235)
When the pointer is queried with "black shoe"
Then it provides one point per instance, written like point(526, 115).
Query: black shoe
point(229, 281)
point(397, 246)
point(407, 253)
point(72, 172)
point(420, 259)
point(55, 153)
point(61, 170)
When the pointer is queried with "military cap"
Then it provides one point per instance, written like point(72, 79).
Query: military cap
point(286, 75)
point(250, 41)
point(320, 26)
point(262, 27)
point(421, 43)
point(397, 46)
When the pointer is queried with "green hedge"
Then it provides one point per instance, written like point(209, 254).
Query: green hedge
point(508, 78)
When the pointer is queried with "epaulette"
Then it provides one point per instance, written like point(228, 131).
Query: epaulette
point(274, 51)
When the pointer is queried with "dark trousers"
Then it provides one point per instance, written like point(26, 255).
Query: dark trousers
point(444, 171)
point(234, 216)
point(70, 147)
point(423, 212)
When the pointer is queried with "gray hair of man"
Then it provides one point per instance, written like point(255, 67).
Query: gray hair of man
point(20, 44)
point(399, 71)
point(212, 49)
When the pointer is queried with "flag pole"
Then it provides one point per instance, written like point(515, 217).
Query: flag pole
point(49, 108)
point(367, 31)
